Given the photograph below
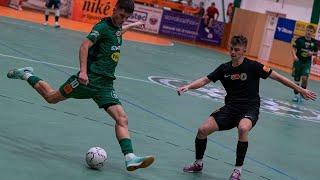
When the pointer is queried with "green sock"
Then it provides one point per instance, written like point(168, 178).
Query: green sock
point(126, 146)
point(33, 80)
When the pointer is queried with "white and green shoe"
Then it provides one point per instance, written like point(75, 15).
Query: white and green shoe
point(19, 73)
point(296, 98)
point(139, 162)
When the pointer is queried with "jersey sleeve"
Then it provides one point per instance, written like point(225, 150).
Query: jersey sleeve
point(96, 33)
point(262, 70)
point(216, 74)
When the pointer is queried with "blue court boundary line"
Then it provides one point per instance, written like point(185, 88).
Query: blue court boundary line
point(160, 116)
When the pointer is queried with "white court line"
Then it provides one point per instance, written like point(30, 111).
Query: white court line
point(68, 67)
point(74, 68)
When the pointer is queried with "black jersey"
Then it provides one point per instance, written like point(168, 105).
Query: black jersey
point(242, 82)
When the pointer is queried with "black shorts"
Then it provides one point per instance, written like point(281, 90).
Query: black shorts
point(229, 117)
point(54, 3)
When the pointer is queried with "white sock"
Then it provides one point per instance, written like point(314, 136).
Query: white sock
point(239, 168)
point(129, 156)
point(199, 161)
point(26, 76)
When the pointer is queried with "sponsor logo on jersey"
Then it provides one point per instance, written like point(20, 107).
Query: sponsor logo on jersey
point(269, 105)
point(118, 33)
point(115, 48)
point(114, 95)
point(242, 76)
point(95, 33)
point(115, 56)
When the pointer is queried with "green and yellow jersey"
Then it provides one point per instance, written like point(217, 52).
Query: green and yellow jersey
point(104, 55)
point(303, 46)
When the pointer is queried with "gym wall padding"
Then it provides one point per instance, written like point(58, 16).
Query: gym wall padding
point(251, 25)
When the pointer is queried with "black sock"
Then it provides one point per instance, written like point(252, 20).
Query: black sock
point(201, 145)
point(47, 17)
point(56, 18)
point(241, 152)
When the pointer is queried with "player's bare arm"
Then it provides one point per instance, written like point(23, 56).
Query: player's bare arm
point(294, 51)
point(138, 24)
point(307, 94)
point(193, 85)
point(312, 53)
point(83, 56)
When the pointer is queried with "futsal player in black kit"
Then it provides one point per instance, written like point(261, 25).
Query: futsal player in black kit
point(240, 78)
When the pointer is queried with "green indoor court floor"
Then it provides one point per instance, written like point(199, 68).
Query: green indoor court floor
point(43, 141)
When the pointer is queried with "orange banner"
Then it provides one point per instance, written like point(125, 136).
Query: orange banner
point(91, 11)
point(4, 2)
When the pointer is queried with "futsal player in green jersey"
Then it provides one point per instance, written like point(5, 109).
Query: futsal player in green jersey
point(303, 49)
point(99, 55)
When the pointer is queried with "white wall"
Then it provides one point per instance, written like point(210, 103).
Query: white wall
point(294, 9)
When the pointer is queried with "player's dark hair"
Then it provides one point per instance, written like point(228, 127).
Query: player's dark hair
point(126, 5)
point(311, 27)
point(239, 40)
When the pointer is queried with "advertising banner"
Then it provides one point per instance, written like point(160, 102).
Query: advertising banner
point(4, 2)
point(284, 30)
point(149, 15)
point(211, 35)
point(39, 5)
point(179, 25)
point(91, 11)
point(300, 28)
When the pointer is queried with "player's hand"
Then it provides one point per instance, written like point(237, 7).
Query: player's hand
point(308, 95)
point(138, 24)
point(83, 78)
point(182, 89)
point(310, 53)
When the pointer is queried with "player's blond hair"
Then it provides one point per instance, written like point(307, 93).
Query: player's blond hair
point(239, 40)
point(311, 27)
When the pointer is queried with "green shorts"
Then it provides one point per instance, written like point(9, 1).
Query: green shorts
point(301, 68)
point(100, 89)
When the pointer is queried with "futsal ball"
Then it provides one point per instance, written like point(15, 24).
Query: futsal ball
point(96, 157)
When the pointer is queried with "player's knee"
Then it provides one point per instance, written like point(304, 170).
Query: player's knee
point(244, 128)
point(51, 99)
point(122, 120)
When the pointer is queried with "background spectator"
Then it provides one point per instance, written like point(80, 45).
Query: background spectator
point(201, 10)
point(212, 15)
point(230, 11)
